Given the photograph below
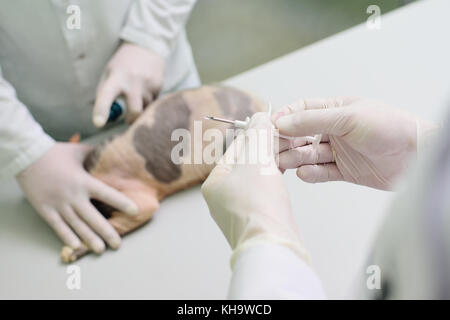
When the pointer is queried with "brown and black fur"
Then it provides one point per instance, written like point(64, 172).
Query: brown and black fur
point(138, 162)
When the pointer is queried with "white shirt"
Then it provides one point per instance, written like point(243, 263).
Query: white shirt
point(49, 71)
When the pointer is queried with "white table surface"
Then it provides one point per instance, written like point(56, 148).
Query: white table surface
point(181, 254)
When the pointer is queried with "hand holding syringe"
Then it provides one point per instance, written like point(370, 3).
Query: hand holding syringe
point(243, 124)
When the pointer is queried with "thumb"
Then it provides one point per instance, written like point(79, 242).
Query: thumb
point(260, 143)
point(215, 177)
point(334, 121)
point(224, 166)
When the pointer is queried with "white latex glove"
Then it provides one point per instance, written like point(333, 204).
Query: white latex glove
point(134, 72)
point(249, 201)
point(363, 142)
point(60, 189)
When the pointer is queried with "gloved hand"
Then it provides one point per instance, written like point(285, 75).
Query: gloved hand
point(249, 201)
point(60, 189)
point(133, 71)
point(363, 142)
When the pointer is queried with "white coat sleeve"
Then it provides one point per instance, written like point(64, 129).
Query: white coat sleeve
point(22, 140)
point(269, 271)
point(427, 134)
point(156, 24)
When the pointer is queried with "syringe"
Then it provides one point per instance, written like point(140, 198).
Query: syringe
point(243, 124)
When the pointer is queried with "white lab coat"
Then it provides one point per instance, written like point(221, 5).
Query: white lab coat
point(49, 73)
point(269, 271)
point(412, 249)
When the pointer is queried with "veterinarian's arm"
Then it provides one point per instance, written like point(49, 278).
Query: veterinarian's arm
point(22, 140)
point(269, 260)
point(156, 24)
point(136, 71)
point(269, 271)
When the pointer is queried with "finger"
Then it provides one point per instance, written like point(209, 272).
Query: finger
point(319, 173)
point(260, 120)
point(98, 223)
point(110, 196)
point(310, 104)
point(290, 108)
point(90, 238)
point(135, 105)
point(336, 121)
point(329, 103)
point(297, 106)
point(238, 148)
point(286, 144)
point(259, 142)
point(107, 92)
point(61, 228)
point(229, 159)
point(305, 155)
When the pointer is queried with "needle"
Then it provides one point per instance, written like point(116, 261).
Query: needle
point(219, 119)
point(244, 124)
point(237, 123)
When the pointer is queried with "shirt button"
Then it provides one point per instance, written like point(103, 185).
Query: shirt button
point(81, 56)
